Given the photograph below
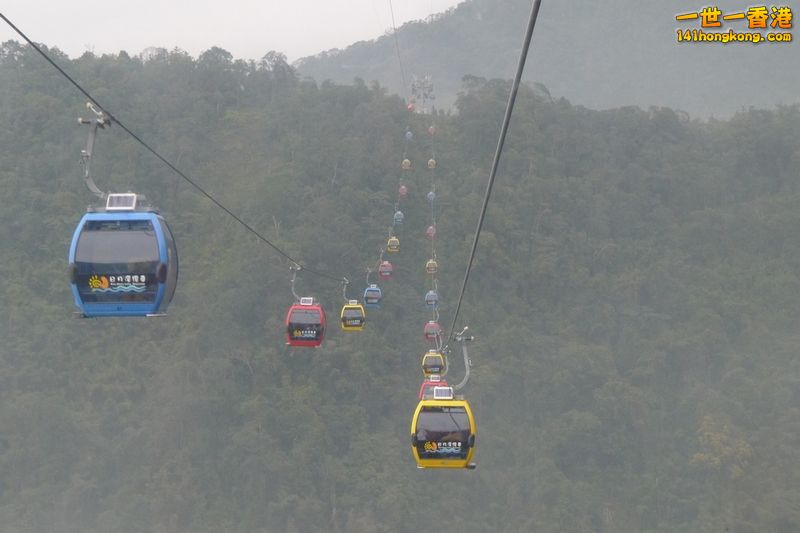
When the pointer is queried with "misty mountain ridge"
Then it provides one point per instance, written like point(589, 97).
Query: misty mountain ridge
point(617, 54)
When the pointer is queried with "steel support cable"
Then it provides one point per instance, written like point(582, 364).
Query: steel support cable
point(397, 49)
point(498, 152)
point(161, 158)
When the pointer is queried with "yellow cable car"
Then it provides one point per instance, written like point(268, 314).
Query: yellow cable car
point(443, 432)
point(432, 266)
point(406, 164)
point(433, 363)
point(353, 316)
point(431, 163)
point(393, 245)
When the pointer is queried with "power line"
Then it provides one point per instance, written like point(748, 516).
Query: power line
point(397, 49)
point(500, 142)
point(163, 159)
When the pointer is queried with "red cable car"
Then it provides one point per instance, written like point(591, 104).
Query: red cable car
point(305, 323)
point(431, 232)
point(385, 269)
point(426, 389)
point(402, 192)
point(433, 331)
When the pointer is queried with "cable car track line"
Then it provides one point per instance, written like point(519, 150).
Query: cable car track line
point(161, 158)
point(512, 97)
point(397, 48)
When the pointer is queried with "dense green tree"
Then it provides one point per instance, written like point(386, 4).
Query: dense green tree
point(634, 298)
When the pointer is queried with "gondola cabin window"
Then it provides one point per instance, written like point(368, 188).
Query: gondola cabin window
point(117, 260)
point(353, 317)
point(305, 324)
point(443, 433)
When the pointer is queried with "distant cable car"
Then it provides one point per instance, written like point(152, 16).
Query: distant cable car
point(431, 129)
point(431, 232)
point(432, 299)
point(305, 323)
point(123, 260)
point(353, 317)
point(399, 217)
point(406, 164)
point(410, 106)
point(409, 135)
point(433, 363)
point(431, 163)
point(432, 266)
point(443, 433)
point(372, 296)
point(393, 245)
point(385, 269)
point(431, 196)
point(402, 191)
point(432, 331)
point(426, 389)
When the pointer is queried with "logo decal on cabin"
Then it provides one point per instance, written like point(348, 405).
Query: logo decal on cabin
point(98, 283)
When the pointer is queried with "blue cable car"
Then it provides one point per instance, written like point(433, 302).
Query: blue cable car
point(372, 296)
point(432, 300)
point(399, 217)
point(123, 260)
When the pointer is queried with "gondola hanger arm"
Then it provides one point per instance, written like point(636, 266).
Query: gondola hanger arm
point(462, 338)
point(101, 120)
point(345, 283)
point(295, 269)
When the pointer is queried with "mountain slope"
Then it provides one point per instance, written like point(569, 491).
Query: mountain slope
point(605, 55)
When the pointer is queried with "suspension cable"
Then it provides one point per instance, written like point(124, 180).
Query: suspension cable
point(397, 49)
point(500, 142)
point(152, 150)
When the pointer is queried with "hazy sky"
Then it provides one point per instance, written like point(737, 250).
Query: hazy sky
point(246, 28)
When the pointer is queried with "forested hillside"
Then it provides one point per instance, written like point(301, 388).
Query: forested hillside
point(600, 55)
point(635, 298)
